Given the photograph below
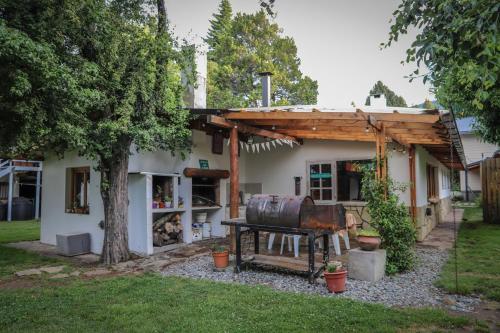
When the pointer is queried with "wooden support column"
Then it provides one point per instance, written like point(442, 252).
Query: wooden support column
point(234, 186)
point(380, 153)
point(413, 184)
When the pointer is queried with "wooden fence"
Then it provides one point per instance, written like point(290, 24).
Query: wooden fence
point(490, 179)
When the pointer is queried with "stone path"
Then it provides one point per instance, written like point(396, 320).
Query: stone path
point(442, 236)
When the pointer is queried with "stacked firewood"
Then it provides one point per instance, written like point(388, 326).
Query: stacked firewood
point(167, 230)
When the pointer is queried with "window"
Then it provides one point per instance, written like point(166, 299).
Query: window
point(431, 182)
point(445, 179)
point(321, 181)
point(77, 184)
point(349, 179)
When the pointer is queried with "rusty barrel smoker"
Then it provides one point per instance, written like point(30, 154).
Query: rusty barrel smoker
point(278, 211)
point(293, 212)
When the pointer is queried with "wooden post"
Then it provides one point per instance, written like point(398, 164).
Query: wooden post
point(233, 183)
point(380, 154)
point(413, 184)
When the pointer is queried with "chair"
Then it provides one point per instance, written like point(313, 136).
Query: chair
point(296, 243)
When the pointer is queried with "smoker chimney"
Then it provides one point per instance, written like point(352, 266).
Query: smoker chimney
point(378, 101)
point(265, 78)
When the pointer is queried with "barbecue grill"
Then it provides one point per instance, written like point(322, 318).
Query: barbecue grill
point(294, 215)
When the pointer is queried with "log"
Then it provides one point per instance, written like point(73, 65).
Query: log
point(211, 173)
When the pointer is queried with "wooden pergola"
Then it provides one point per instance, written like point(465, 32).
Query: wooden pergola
point(434, 130)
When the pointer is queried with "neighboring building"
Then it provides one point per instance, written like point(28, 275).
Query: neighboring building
point(475, 150)
point(326, 169)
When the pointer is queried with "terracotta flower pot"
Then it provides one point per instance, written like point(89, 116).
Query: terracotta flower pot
point(369, 243)
point(221, 259)
point(335, 282)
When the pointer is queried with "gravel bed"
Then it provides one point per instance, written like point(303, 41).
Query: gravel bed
point(413, 288)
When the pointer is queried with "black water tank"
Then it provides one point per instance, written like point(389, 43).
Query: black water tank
point(22, 209)
point(3, 211)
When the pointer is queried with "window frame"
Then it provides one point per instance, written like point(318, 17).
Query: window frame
point(71, 177)
point(333, 166)
point(432, 182)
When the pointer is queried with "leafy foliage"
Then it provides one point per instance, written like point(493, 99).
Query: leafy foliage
point(96, 77)
point(242, 46)
point(458, 43)
point(391, 218)
point(391, 97)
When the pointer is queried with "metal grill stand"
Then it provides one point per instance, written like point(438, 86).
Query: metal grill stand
point(312, 235)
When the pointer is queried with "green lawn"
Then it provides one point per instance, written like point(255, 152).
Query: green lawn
point(13, 260)
point(478, 252)
point(17, 231)
point(152, 303)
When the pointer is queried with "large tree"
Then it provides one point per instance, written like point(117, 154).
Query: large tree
point(240, 50)
point(391, 97)
point(458, 43)
point(96, 77)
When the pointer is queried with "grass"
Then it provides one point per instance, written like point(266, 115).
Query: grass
point(17, 231)
point(13, 260)
point(152, 303)
point(478, 250)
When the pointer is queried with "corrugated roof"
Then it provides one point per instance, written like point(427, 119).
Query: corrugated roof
point(315, 108)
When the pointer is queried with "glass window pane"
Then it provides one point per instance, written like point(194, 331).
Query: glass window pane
point(326, 182)
point(315, 194)
point(314, 168)
point(326, 168)
point(314, 182)
point(327, 194)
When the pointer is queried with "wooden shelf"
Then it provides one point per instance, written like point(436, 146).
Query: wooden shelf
point(206, 207)
point(168, 210)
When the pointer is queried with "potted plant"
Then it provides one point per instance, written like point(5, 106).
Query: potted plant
point(335, 276)
point(368, 239)
point(221, 256)
point(168, 201)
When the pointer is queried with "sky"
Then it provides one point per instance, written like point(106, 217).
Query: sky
point(338, 43)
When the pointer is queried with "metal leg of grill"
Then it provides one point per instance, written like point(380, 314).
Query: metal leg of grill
point(238, 248)
point(256, 241)
point(311, 238)
point(326, 247)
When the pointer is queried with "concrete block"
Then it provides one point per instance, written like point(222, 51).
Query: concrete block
point(73, 244)
point(367, 265)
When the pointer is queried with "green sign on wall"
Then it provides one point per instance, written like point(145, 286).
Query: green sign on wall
point(203, 164)
point(321, 175)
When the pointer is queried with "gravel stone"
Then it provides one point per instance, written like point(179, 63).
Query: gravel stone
point(414, 288)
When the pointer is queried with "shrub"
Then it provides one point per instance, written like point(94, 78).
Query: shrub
point(392, 220)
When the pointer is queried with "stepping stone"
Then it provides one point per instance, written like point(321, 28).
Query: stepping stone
point(52, 269)
point(59, 276)
point(28, 272)
point(97, 272)
point(75, 273)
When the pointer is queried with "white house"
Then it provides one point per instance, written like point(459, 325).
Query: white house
point(475, 150)
point(324, 166)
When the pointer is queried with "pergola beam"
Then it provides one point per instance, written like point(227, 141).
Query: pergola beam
point(245, 115)
point(243, 128)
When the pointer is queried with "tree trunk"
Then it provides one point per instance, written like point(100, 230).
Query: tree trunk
point(114, 192)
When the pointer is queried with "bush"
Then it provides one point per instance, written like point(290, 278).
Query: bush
point(392, 220)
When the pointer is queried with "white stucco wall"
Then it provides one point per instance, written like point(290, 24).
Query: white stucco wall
point(54, 218)
point(475, 149)
point(422, 159)
point(274, 169)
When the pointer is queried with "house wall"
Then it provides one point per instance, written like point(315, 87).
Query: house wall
point(475, 150)
point(273, 170)
point(429, 214)
point(54, 218)
point(56, 221)
point(474, 180)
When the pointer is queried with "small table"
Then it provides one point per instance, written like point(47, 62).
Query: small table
point(312, 235)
